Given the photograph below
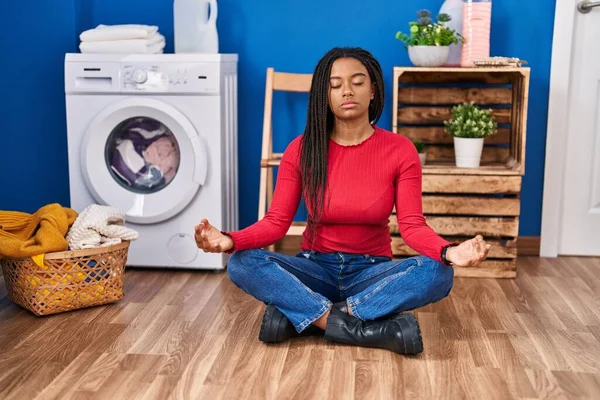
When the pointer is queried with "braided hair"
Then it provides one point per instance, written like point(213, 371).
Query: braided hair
point(319, 126)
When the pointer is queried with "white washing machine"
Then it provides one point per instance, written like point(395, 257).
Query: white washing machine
point(156, 137)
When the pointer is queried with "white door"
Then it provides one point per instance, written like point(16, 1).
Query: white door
point(145, 158)
point(578, 229)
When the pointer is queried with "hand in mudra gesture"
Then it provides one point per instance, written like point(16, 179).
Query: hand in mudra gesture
point(210, 239)
point(469, 253)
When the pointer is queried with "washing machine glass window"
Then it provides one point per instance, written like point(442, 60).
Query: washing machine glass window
point(142, 155)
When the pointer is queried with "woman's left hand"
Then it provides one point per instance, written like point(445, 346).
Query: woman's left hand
point(469, 253)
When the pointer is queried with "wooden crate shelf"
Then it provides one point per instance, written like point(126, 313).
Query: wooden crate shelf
point(459, 203)
point(501, 248)
point(423, 98)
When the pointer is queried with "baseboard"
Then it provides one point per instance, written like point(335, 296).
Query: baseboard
point(289, 245)
point(526, 245)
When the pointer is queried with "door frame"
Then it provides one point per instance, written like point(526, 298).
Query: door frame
point(556, 133)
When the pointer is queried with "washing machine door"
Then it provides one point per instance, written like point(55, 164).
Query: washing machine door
point(145, 158)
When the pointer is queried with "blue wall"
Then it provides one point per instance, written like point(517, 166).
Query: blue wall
point(285, 35)
point(34, 36)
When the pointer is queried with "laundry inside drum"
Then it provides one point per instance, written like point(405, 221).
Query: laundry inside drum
point(142, 155)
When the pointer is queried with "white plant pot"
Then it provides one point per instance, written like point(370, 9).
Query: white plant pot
point(422, 157)
point(428, 56)
point(467, 152)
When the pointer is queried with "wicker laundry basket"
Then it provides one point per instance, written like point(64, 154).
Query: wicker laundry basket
point(68, 280)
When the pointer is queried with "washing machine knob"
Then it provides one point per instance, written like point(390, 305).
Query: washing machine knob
point(140, 76)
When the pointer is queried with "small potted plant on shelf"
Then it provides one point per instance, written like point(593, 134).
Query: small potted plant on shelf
point(429, 42)
point(420, 146)
point(469, 126)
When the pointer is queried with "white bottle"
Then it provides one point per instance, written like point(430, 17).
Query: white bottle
point(454, 8)
point(195, 31)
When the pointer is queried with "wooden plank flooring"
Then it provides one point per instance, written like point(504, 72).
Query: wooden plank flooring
point(193, 335)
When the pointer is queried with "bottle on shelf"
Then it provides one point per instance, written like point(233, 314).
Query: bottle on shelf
point(476, 26)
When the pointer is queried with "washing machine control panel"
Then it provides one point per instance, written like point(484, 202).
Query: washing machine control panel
point(176, 77)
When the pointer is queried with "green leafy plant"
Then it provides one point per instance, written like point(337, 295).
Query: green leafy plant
point(419, 145)
point(425, 32)
point(470, 121)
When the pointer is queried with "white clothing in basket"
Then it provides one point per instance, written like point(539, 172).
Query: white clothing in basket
point(99, 226)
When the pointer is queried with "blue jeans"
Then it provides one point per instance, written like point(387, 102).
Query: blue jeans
point(303, 287)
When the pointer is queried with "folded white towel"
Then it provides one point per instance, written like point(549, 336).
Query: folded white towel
point(99, 226)
point(118, 32)
point(153, 45)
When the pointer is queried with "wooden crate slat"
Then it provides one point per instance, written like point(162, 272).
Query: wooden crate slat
point(437, 135)
point(471, 226)
point(471, 184)
point(467, 226)
point(520, 126)
point(500, 248)
point(493, 169)
point(437, 115)
point(489, 269)
point(467, 205)
point(452, 95)
point(423, 75)
point(446, 154)
point(289, 245)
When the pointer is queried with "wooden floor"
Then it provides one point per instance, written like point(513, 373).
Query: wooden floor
point(181, 334)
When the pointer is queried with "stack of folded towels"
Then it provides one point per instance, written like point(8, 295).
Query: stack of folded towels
point(143, 39)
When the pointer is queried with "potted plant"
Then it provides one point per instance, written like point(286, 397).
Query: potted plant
point(429, 42)
point(469, 125)
point(420, 146)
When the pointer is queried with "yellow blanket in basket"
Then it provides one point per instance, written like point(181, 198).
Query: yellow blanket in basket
point(25, 235)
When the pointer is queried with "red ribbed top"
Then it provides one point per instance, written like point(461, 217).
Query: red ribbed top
point(364, 183)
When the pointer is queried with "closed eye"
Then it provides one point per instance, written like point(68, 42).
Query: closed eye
point(354, 83)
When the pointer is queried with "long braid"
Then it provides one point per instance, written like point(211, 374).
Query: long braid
point(319, 126)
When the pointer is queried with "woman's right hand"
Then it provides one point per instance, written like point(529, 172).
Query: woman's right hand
point(210, 239)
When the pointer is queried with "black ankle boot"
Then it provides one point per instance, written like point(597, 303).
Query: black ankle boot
point(277, 328)
point(343, 307)
point(401, 335)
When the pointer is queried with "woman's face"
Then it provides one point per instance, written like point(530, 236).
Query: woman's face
point(350, 89)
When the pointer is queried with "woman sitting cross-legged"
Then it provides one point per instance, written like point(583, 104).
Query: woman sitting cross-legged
point(344, 283)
